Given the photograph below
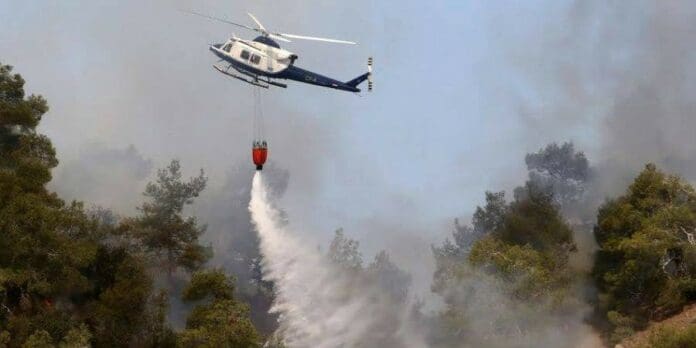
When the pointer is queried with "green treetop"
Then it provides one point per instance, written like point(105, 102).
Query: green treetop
point(646, 266)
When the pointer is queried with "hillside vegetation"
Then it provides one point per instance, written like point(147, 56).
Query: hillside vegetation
point(76, 277)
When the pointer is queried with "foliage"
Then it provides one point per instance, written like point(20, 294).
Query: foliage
point(345, 252)
point(72, 278)
point(162, 229)
point(383, 272)
point(78, 337)
point(559, 171)
point(39, 339)
point(219, 322)
point(511, 266)
point(47, 248)
point(236, 241)
point(647, 259)
point(529, 248)
point(452, 255)
point(119, 313)
point(672, 338)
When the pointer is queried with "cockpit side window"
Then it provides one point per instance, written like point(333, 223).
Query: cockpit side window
point(227, 48)
point(255, 59)
point(244, 55)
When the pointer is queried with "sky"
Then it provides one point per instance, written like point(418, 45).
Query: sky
point(463, 90)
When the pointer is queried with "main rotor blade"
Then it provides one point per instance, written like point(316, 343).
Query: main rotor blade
point(220, 20)
point(293, 36)
point(278, 37)
point(257, 21)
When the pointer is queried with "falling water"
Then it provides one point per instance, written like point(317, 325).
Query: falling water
point(317, 303)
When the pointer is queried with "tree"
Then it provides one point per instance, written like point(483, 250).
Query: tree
point(39, 339)
point(389, 277)
point(118, 315)
point(66, 277)
point(345, 252)
point(78, 337)
point(505, 272)
point(560, 171)
point(530, 248)
point(220, 321)
point(46, 245)
point(70, 277)
point(23, 152)
point(647, 259)
point(669, 337)
point(487, 218)
point(451, 255)
point(236, 241)
point(162, 229)
point(382, 282)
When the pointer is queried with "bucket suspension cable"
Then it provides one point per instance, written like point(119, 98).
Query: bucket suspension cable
point(258, 121)
point(259, 149)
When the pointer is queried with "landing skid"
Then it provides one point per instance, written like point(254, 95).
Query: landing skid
point(224, 71)
point(255, 80)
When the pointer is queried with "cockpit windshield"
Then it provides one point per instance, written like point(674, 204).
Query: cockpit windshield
point(227, 47)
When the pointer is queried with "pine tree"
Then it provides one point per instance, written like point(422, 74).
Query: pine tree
point(161, 227)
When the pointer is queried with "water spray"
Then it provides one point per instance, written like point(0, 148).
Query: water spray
point(319, 306)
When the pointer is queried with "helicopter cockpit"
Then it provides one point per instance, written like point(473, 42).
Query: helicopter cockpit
point(227, 47)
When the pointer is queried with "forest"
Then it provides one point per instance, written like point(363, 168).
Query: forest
point(545, 266)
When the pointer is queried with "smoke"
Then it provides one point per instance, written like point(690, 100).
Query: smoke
point(652, 117)
point(319, 304)
point(617, 77)
point(234, 240)
point(488, 317)
point(108, 177)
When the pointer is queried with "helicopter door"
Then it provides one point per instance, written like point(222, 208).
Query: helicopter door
point(270, 58)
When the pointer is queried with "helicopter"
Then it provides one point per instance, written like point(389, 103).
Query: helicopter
point(261, 61)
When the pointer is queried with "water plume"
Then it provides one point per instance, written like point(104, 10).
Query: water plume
point(320, 305)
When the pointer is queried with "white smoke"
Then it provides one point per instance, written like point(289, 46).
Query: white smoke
point(317, 302)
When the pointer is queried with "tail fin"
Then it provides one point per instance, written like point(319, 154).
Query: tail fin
point(358, 80)
point(366, 76)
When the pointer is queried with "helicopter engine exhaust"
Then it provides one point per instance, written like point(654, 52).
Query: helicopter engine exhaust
point(259, 153)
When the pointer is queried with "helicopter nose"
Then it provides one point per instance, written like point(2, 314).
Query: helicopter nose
point(217, 45)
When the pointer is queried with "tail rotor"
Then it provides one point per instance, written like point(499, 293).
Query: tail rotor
point(369, 74)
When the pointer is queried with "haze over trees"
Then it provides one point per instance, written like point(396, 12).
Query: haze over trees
point(73, 278)
point(77, 277)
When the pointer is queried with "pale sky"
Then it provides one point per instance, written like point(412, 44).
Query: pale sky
point(463, 89)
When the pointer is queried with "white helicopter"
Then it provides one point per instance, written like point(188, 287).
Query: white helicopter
point(261, 61)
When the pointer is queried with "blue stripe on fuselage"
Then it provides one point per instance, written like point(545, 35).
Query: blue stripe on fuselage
point(302, 75)
point(290, 73)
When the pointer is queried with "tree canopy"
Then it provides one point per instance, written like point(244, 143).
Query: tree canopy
point(647, 259)
point(70, 277)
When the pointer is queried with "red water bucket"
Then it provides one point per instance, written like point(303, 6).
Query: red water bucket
point(259, 152)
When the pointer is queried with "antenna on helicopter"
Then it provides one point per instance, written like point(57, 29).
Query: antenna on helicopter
point(274, 35)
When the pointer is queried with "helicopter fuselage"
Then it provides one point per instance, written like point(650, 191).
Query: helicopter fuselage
point(263, 57)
